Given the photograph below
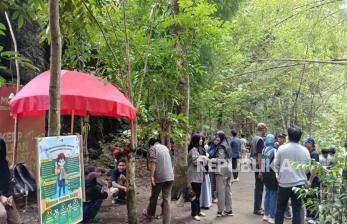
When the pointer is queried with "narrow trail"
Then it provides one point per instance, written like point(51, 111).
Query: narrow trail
point(242, 204)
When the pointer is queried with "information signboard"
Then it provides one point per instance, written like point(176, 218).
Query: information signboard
point(59, 179)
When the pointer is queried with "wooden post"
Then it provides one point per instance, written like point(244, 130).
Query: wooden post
point(82, 168)
point(72, 122)
point(38, 193)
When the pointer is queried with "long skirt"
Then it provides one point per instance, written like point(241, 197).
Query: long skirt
point(213, 185)
point(206, 196)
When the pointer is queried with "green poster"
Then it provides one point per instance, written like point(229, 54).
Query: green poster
point(60, 180)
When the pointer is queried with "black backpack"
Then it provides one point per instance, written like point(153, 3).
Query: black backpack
point(269, 179)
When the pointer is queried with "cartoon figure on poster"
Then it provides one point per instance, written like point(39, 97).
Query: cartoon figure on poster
point(61, 173)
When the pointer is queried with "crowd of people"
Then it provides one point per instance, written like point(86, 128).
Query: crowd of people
point(272, 159)
point(213, 167)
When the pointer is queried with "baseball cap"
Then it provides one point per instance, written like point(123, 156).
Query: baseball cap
point(281, 135)
point(309, 140)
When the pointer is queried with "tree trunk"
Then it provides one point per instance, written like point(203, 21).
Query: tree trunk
point(54, 85)
point(131, 196)
point(180, 187)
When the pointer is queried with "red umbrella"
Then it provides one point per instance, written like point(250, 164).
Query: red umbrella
point(80, 94)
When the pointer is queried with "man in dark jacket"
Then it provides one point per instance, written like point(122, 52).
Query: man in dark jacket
point(256, 154)
point(235, 145)
point(95, 194)
point(312, 179)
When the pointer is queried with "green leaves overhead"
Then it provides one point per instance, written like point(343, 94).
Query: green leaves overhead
point(248, 61)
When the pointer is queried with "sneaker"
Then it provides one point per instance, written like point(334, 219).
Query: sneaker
point(202, 214)
point(215, 200)
point(311, 221)
point(145, 213)
point(287, 215)
point(266, 218)
point(219, 214)
point(259, 212)
point(236, 180)
point(196, 218)
point(271, 220)
point(114, 201)
point(230, 213)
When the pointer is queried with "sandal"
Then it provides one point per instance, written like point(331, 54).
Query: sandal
point(145, 213)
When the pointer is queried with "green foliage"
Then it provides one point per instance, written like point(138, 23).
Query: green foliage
point(332, 192)
point(260, 85)
point(2, 80)
point(233, 51)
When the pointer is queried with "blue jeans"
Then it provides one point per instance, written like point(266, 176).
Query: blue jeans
point(270, 203)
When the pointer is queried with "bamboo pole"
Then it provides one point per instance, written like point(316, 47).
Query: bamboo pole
point(15, 141)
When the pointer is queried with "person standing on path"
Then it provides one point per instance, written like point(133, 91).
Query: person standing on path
point(270, 180)
point(312, 180)
point(281, 140)
point(243, 148)
point(289, 176)
point(235, 145)
point(212, 151)
point(205, 196)
point(256, 154)
point(223, 176)
point(161, 179)
point(195, 174)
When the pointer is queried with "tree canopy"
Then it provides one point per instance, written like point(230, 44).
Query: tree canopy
point(248, 61)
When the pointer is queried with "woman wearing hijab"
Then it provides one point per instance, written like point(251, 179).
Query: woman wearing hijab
point(223, 175)
point(205, 196)
point(8, 210)
point(195, 175)
point(270, 180)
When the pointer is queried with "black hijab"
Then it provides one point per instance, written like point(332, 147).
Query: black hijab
point(4, 171)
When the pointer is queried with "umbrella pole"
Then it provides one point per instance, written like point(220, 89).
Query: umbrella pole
point(72, 121)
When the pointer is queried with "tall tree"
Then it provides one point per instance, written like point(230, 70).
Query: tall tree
point(179, 187)
point(54, 85)
point(131, 196)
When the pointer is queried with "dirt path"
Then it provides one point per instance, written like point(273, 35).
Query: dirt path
point(242, 199)
point(242, 194)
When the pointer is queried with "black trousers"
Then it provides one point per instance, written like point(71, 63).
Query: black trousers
point(235, 166)
point(90, 210)
point(258, 192)
point(195, 203)
point(282, 201)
